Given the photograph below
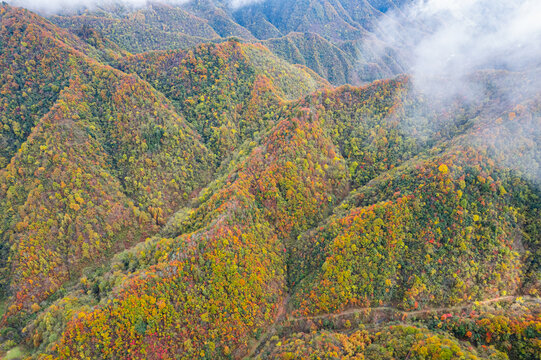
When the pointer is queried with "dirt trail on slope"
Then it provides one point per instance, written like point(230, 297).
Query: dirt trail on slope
point(409, 313)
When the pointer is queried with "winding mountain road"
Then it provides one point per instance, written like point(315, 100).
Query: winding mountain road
point(283, 319)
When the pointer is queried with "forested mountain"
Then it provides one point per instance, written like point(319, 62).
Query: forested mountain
point(336, 39)
point(170, 192)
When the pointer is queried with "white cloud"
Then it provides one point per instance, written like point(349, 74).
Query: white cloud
point(57, 6)
point(444, 43)
point(240, 3)
point(452, 38)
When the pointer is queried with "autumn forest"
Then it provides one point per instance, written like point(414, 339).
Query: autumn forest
point(269, 181)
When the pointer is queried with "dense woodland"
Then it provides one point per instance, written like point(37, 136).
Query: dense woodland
point(215, 201)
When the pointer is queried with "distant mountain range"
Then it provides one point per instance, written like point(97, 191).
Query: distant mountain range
point(335, 38)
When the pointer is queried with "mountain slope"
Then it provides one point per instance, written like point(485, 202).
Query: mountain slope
point(223, 276)
point(441, 225)
point(150, 28)
point(229, 92)
point(93, 131)
point(112, 159)
point(316, 53)
point(438, 244)
point(35, 61)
